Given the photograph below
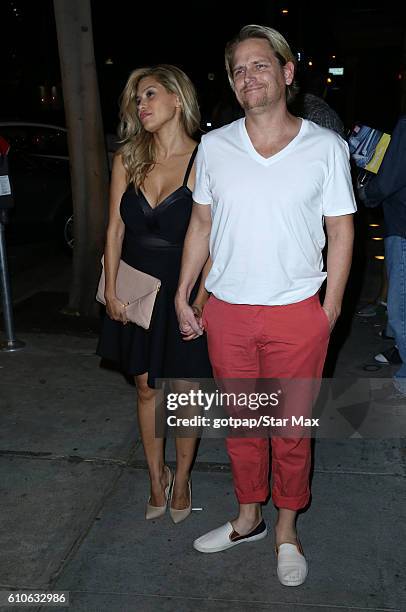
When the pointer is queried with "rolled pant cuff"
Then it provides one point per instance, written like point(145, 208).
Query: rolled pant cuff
point(291, 503)
point(254, 497)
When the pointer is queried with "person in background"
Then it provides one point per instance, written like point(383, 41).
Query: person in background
point(388, 187)
point(265, 186)
point(310, 104)
point(150, 205)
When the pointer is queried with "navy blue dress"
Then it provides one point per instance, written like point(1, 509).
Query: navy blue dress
point(153, 242)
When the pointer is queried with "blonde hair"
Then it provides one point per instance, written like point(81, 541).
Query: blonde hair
point(276, 41)
point(137, 151)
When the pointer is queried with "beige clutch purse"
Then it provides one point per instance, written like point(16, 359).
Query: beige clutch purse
point(136, 290)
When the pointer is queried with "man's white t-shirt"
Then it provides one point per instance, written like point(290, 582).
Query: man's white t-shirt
point(267, 214)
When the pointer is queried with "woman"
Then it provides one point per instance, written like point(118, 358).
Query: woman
point(150, 207)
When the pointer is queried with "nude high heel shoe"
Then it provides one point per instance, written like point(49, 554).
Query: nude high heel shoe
point(179, 515)
point(154, 512)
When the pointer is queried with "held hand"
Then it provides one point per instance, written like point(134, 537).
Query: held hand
point(360, 183)
point(363, 179)
point(188, 324)
point(198, 311)
point(116, 310)
point(361, 193)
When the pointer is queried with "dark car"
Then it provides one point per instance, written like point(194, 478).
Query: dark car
point(40, 178)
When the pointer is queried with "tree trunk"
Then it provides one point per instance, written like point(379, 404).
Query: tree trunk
point(87, 150)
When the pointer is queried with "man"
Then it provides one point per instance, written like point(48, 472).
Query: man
point(312, 107)
point(311, 104)
point(263, 186)
point(389, 188)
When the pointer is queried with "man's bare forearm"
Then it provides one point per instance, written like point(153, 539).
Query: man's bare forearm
point(339, 255)
point(202, 294)
point(195, 254)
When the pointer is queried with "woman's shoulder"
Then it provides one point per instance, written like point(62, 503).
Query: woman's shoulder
point(118, 161)
point(119, 174)
point(192, 146)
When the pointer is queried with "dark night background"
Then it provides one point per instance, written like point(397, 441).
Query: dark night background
point(366, 38)
point(75, 481)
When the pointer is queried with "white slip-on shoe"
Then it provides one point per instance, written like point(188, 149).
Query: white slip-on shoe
point(226, 537)
point(292, 566)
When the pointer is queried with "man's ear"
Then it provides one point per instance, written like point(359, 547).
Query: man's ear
point(289, 72)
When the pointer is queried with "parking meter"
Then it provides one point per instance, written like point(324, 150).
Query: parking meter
point(6, 202)
point(6, 198)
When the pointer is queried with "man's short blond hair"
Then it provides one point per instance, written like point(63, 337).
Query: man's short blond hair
point(277, 43)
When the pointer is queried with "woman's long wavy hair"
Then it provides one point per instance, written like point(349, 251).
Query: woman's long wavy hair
point(137, 151)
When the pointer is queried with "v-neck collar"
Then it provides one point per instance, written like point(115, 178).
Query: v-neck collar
point(164, 201)
point(175, 191)
point(267, 161)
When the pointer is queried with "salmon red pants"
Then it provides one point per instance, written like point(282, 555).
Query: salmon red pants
point(280, 342)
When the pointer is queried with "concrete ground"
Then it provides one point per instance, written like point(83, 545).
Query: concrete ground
point(74, 486)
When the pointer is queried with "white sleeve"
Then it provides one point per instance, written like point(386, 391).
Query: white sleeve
point(202, 193)
point(338, 194)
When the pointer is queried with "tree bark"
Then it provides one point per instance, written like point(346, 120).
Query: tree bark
point(87, 149)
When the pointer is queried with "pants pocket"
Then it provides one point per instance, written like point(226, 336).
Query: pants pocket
point(204, 313)
point(325, 318)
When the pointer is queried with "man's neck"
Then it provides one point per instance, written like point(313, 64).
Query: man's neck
point(271, 134)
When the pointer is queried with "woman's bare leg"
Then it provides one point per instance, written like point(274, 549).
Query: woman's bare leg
point(150, 400)
point(185, 451)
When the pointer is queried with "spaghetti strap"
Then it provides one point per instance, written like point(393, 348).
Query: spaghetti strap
point(189, 167)
point(152, 243)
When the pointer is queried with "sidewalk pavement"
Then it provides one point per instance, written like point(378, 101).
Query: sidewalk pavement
point(75, 484)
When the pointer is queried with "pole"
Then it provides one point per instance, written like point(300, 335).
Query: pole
point(11, 343)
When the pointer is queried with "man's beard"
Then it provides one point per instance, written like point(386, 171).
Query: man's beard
point(259, 101)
